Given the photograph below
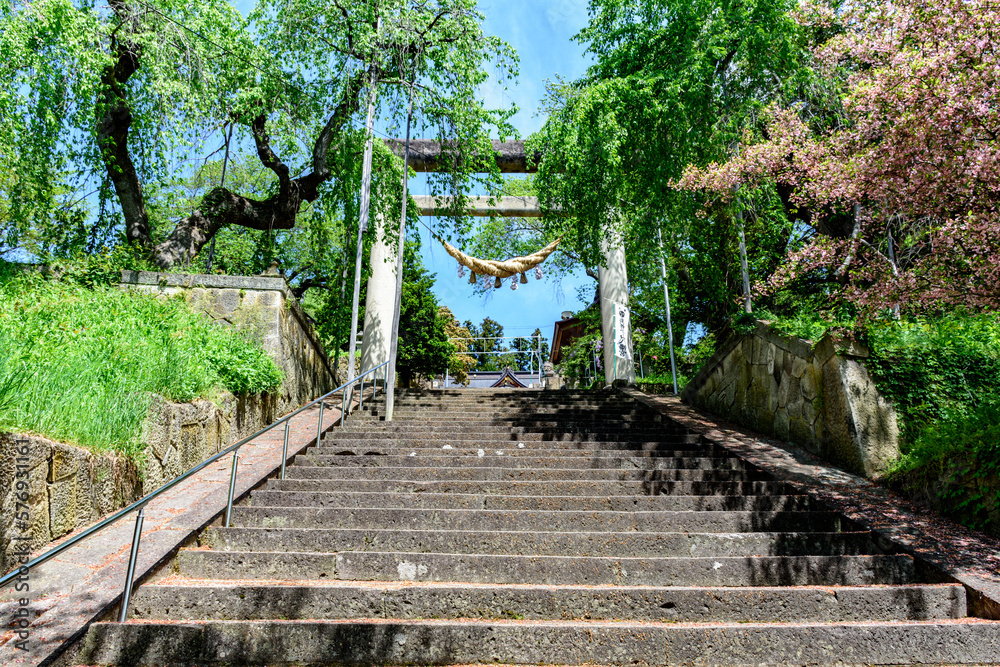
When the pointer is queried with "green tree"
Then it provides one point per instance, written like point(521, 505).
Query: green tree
point(423, 339)
point(490, 333)
point(674, 82)
point(112, 101)
point(461, 362)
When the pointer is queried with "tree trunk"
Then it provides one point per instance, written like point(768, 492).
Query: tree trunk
point(114, 118)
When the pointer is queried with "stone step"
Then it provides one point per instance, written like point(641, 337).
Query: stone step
point(531, 415)
point(206, 600)
point(491, 458)
point(542, 424)
point(522, 398)
point(536, 399)
point(430, 500)
point(550, 570)
point(529, 527)
point(517, 474)
point(511, 407)
point(580, 488)
point(472, 447)
point(540, 542)
point(541, 520)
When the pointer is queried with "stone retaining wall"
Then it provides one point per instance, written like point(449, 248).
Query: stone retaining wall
point(70, 487)
point(264, 306)
point(817, 396)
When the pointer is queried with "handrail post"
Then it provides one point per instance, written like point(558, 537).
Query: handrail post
point(284, 449)
point(361, 396)
point(343, 408)
point(232, 488)
point(319, 423)
point(132, 557)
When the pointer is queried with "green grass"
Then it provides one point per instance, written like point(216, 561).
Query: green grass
point(810, 324)
point(82, 363)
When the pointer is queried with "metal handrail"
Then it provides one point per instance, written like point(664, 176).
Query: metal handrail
point(142, 502)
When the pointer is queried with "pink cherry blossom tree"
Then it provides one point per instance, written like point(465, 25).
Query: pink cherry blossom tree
point(914, 168)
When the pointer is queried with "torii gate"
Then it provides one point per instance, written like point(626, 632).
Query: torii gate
point(512, 159)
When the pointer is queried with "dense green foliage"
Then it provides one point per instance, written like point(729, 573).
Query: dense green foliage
point(955, 462)
point(939, 373)
point(208, 140)
point(423, 342)
point(87, 360)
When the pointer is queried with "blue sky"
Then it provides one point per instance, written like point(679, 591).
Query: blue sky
point(540, 31)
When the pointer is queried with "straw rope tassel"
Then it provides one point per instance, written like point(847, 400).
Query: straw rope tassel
point(500, 269)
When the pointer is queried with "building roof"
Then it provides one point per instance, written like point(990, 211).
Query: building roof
point(508, 379)
point(489, 379)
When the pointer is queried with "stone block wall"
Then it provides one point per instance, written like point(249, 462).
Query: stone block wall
point(70, 487)
point(67, 487)
point(817, 396)
point(182, 435)
point(265, 307)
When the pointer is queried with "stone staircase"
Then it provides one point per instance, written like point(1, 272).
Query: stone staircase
point(537, 528)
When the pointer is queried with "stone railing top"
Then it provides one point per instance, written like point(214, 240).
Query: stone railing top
point(207, 280)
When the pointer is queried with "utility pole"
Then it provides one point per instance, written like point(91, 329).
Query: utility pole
point(539, 360)
point(666, 297)
point(390, 390)
point(744, 266)
point(366, 187)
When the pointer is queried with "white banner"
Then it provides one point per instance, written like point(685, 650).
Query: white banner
point(622, 328)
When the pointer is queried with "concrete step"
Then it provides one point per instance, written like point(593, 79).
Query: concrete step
point(540, 542)
point(472, 447)
point(268, 498)
point(554, 430)
point(523, 398)
point(581, 488)
point(517, 474)
point(529, 415)
point(396, 642)
point(504, 435)
point(498, 459)
point(525, 520)
point(536, 528)
point(473, 423)
point(550, 570)
point(184, 599)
